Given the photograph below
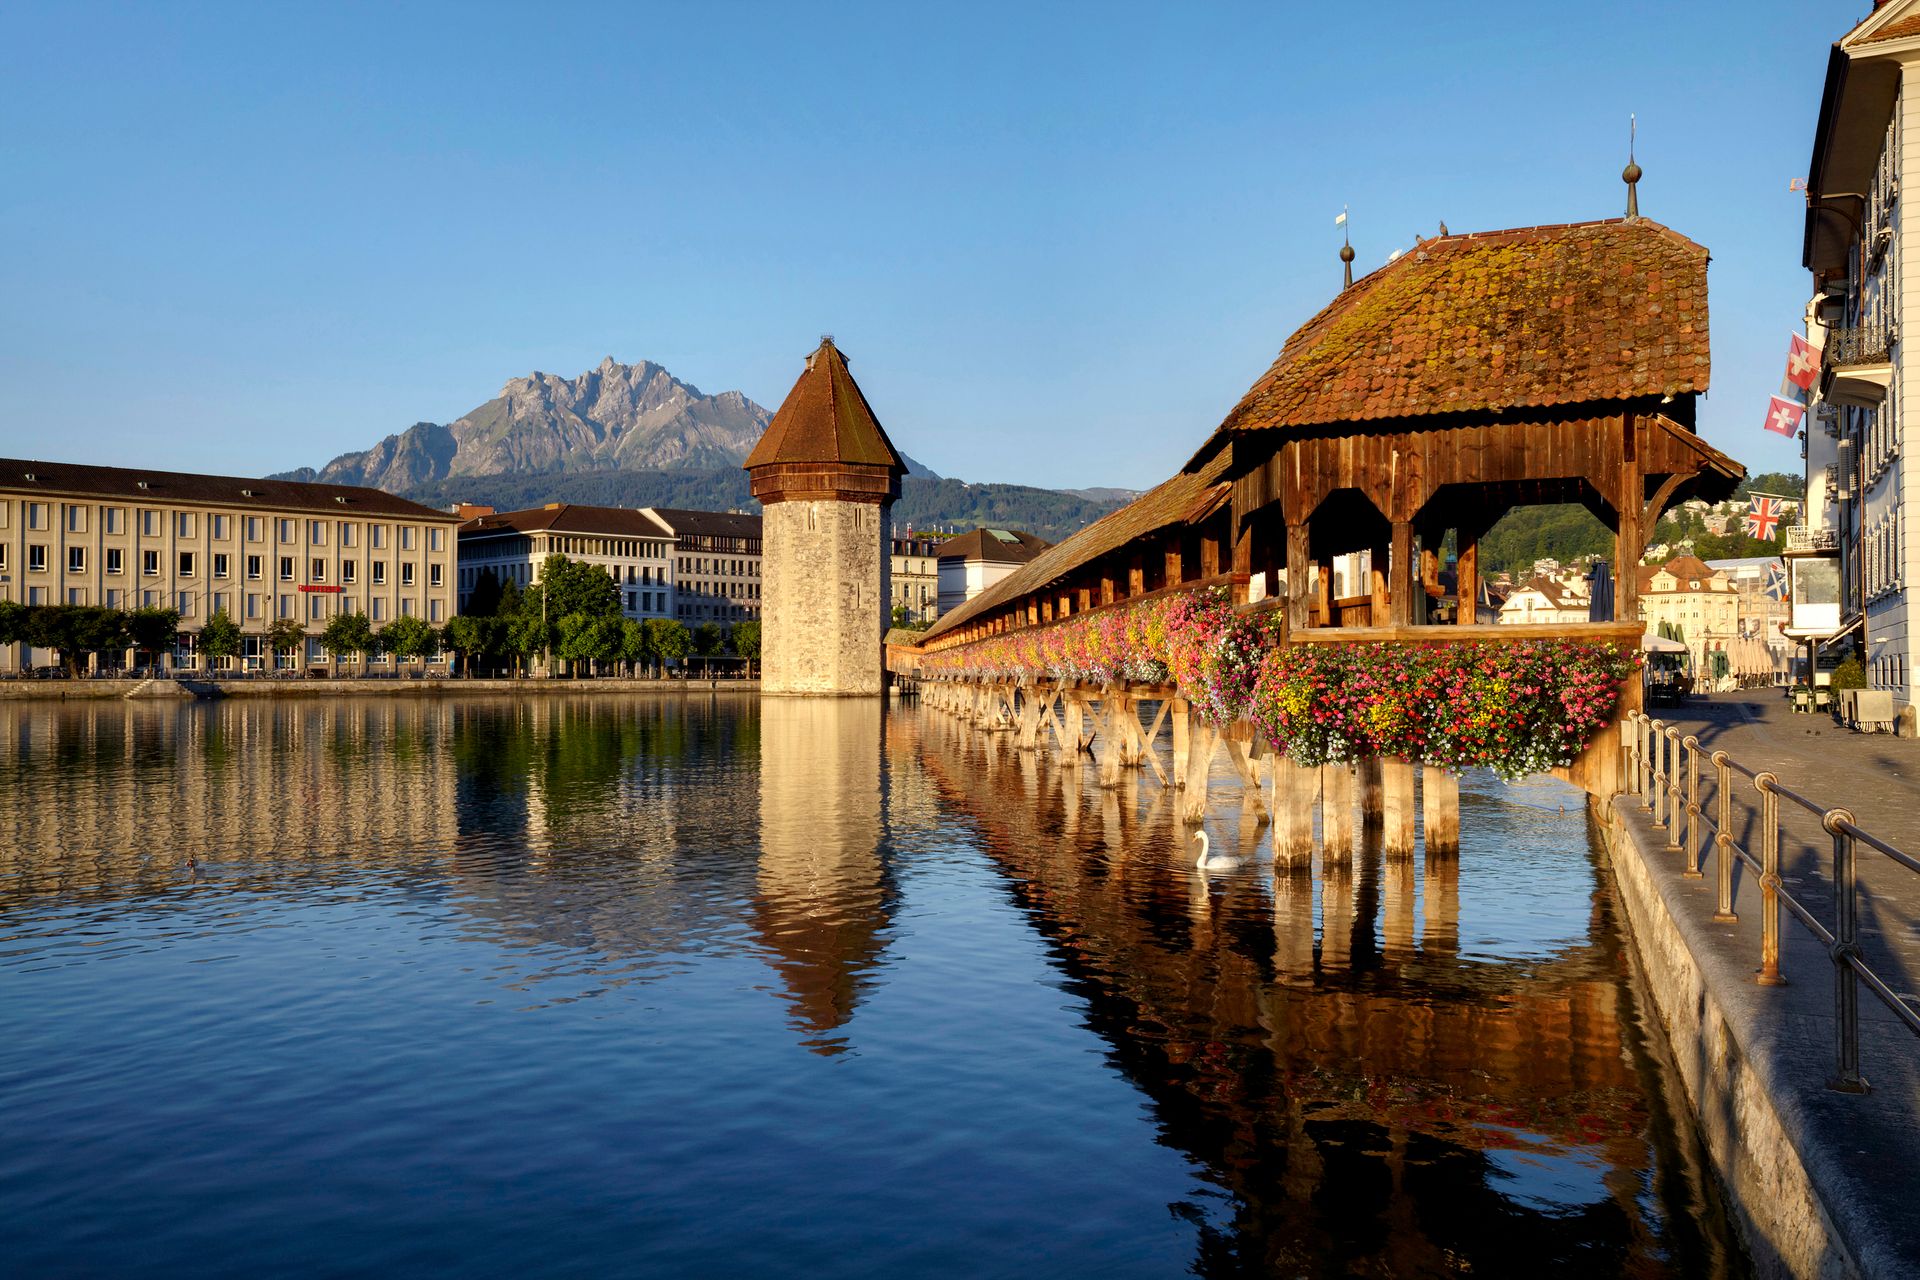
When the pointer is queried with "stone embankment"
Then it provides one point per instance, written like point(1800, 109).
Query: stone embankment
point(55, 690)
point(1822, 1182)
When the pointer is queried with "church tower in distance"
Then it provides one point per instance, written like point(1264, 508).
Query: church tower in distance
point(827, 476)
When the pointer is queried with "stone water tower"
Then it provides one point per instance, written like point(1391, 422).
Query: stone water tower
point(827, 476)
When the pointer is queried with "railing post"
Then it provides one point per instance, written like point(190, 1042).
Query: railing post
point(1846, 983)
point(1659, 779)
point(1723, 840)
point(1630, 747)
point(1673, 791)
point(1769, 881)
point(1693, 808)
point(1643, 773)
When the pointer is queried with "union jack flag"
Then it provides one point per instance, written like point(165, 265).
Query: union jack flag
point(1777, 580)
point(1763, 518)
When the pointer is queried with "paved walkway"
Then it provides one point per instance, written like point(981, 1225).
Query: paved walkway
point(1861, 1150)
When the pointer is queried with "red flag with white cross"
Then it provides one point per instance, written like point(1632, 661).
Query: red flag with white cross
point(1803, 362)
point(1783, 416)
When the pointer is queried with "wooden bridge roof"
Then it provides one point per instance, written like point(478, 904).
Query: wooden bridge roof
point(1188, 497)
point(1489, 321)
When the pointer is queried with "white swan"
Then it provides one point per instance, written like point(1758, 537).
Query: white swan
point(1210, 861)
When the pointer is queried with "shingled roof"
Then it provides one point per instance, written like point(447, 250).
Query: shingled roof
point(825, 418)
point(1497, 320)
point(1189, 497)
point(1002, 546)
point(570, 517)
point(72, 479)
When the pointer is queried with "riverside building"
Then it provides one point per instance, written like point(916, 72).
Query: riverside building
point(1854, 564)
point(260, 550)
point(716, 564)
point(634, 546)
point(916, 577)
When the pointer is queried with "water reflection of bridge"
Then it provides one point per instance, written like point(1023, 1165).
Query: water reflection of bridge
point(1373, 1102)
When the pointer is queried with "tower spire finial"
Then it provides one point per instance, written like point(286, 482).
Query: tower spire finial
point(1346, 248)
point(1631, 174)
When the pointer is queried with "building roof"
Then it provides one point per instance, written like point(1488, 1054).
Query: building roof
point(1556, 593)
point(1190, 496)
point(826, 418)
point(717, 524)
point(569, 517)
point(1684, 568)
point(1482, 322)
point(996, 546)
point(72, 479)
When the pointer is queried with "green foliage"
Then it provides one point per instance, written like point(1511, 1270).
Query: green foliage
point(346, 634)
point(153, 629)
point(746, 639)
point(13, 621)
point(408, 637)
point(584, 637)
point(220, 636)
point(636, 645)
point(1784, 483)
point(1849, 675)
point(484, 602)
point(671, 641)
point(1566, 532)
point(573, 587)
point(473, 637)
point(71, 631)
point(284, 635)
point(709, 639)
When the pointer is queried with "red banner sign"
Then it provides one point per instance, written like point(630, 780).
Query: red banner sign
point(325, 591)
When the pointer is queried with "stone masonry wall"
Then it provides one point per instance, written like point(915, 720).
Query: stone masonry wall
point(824, 597)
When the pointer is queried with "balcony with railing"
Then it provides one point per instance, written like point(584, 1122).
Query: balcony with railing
point(1857, 364)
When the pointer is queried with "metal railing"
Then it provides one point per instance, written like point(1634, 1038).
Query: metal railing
point(1658, 759)
point(1867, 343)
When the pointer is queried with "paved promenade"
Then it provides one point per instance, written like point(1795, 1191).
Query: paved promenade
point(1859, 1151)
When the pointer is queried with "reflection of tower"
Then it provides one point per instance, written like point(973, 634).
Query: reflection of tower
point(823, 894)
point(827, 476)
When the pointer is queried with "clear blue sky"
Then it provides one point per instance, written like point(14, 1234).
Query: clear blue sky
point(1058, 241)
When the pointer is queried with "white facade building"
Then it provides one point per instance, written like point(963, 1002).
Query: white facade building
point(633, 547)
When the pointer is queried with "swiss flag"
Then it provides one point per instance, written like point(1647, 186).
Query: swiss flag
point(1783, 416)
point(1803, 362)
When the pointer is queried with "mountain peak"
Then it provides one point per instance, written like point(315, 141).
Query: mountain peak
point(613, 417)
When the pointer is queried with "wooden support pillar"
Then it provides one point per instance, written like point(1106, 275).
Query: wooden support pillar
point(1295, 788)
point(1466, 573)
point(1112, 759)
point(1400, 612)
point(1630, 539)
point(1173, 565)
point(1440, 930)
point(1242, 559)
point(1396, 817)
point(1323, 592)
point(1298, 561)
point(1136, 576)
point(1396, 908)
point(1377, 582)
point(1372, 803)
point(1293, 924)
point(1071, 730)
point(1182, 740)
point(1336, 811)
point(1336, 915)
point(1239, 742)
point(1440, 801)
point(1193, 798)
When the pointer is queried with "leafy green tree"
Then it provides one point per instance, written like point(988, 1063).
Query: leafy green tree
point(484, 600)
point(408, 638)
point(220, 636)
point(13, 622)
point(746, 642)
point(585, 638)
point(527, 632)
point(472, 637)
point(573, 587)
point(709, 640)
point(347, 634)
point(636, 644)
point(671, 641)
point(285, 635)
point(153, 630)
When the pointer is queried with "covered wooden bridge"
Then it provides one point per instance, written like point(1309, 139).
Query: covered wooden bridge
point(1474, 374)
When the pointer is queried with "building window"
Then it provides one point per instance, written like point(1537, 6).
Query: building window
point(37, 558)
point(256, 529)
point(437, 540)
point(349, 535)
point(286, 568)
point(219, 564)
point(116, 519)
point(289, 530)
point(407, 534)
point(317, 570)
point(316, 606)
point(149, 564)
point(220, 527)
point(76, 595)
point(253, 568)
point(433, 575)
point(348, 572)
point(220, 602)
point(183, 523)
point(111, 598)
point(379, 609)
point(253, 604)
point(3, 565)
point(406, 574)
point(433, 611)
point(317, 532)
point(76, 559)
point(184, 603)
point(379, 573)
point(76, 518)
point(186, 564)
point(379, 532)
point(406, 606)
point(150, 524)
point(36, 515)
point(113, 560)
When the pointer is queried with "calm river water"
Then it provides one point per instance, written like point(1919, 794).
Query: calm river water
point(702, 986)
